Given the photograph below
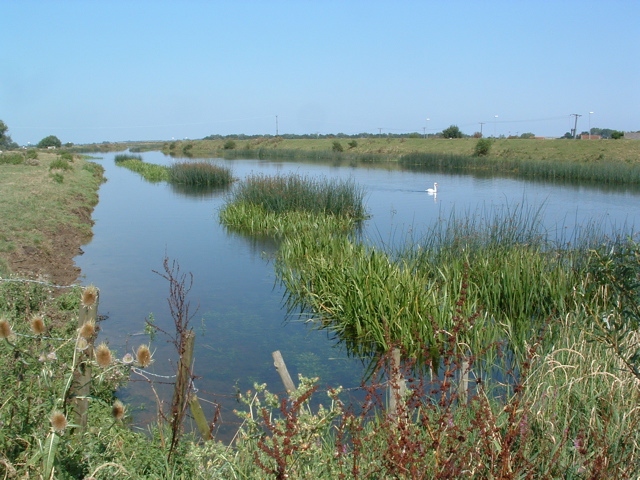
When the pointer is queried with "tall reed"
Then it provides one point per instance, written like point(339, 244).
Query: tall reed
point(200, 174)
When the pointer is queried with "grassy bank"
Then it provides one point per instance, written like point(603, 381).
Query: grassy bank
point(627, 151)
point(46, 201)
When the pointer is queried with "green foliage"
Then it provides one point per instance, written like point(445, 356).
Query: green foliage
point(60, 164)
point(123, 157)
point(483, 147)
point(452, 132)
point(527, 135)
point(616, 134)
point(50, 141)
point(32, 153)
point(149, 171)
point(353, 144)
point(612, 300)
point(229, 145)
point(200, 173)
point(12, 158)
point(337, 146)
point(5, 140)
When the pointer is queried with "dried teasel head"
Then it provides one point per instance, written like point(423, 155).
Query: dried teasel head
point(118, 410)
point(5, 329)
point(88, 329)
point(89, 296)
point(37, 325)
point(58, 421)
point(143, 356)
point(103, 355)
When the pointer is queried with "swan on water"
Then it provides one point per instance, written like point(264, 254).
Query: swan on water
point(434, 190)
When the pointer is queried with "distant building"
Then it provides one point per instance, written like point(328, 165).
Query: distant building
point(632, 135)
point(590, 137)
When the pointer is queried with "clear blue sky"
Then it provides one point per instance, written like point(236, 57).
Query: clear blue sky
point(92, 71)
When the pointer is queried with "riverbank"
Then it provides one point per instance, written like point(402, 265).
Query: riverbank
point(46, 199)
point(392, 149)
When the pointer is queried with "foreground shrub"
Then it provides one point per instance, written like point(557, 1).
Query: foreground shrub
point(483, 147)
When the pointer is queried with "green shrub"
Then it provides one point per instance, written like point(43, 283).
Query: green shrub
point(11, 158)
point(483, 147)
point(229, 145)
point(60, 164)
point(337, 146)
point(123, 157)
point(353, 144)
point(32, 153)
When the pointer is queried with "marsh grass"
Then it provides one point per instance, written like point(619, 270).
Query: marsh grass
point(200, 174)
point(284, 205)
point(149, 171)
point(546, 169)
point(514, 276)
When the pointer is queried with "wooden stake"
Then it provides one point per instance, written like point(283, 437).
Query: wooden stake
point(281, 368)
point(397, 384)
point(81, 387)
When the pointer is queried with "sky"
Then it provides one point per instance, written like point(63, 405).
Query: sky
point(97, 71)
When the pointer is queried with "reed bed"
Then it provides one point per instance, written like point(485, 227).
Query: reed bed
point(286, 193)
point(514, 279)
point(149, 171)
point(591, 171)
point(200, 174)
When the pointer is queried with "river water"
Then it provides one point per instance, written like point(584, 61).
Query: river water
point(238, 308)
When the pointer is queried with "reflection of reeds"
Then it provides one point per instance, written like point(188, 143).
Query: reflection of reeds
point(200, 174)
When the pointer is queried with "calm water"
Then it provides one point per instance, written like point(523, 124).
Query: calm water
point(240, 318)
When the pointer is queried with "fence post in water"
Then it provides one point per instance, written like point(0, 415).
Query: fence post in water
point(183, 378)
point(397, 385)
point(463, 385)
point(81, 387)
point(281, 368)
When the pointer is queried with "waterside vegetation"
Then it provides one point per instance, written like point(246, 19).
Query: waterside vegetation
point(518, 354)
point(198, 174)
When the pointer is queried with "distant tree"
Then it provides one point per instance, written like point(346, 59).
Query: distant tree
point(527, 135)
point(229, 145)
point(617, 134)
point(5, 140)
point(50, 141)
point(567, 135)
point(477, 135)
point(452, 132)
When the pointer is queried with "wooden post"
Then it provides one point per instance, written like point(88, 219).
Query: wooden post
point(281, 368)
point(463, 385)
point(183, 377)
point(198, 416)
point(397, 384)
point(81, 388)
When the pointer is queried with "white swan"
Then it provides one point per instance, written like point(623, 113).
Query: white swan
point(434, 190)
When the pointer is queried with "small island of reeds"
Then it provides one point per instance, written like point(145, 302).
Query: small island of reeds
point(284, 204)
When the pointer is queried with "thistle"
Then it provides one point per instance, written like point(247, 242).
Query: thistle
point(58, 421)
point(37, 325)
point(5, 329)
point(103, 355)
point(143, 356)
point(88, 329)
point(89, 296)
point(118, 410)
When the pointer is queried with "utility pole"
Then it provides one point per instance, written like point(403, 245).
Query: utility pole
point(481, 124)
point(379, 131)
point(575, 127)
point(276, 125)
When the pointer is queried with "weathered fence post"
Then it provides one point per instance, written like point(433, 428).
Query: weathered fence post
point(397, 384)
point(281, 368)
point(463, 385)
point(81, 388)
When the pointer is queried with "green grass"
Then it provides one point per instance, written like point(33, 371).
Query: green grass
point(200, 174)
point(149, 171)
point(35, 205)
